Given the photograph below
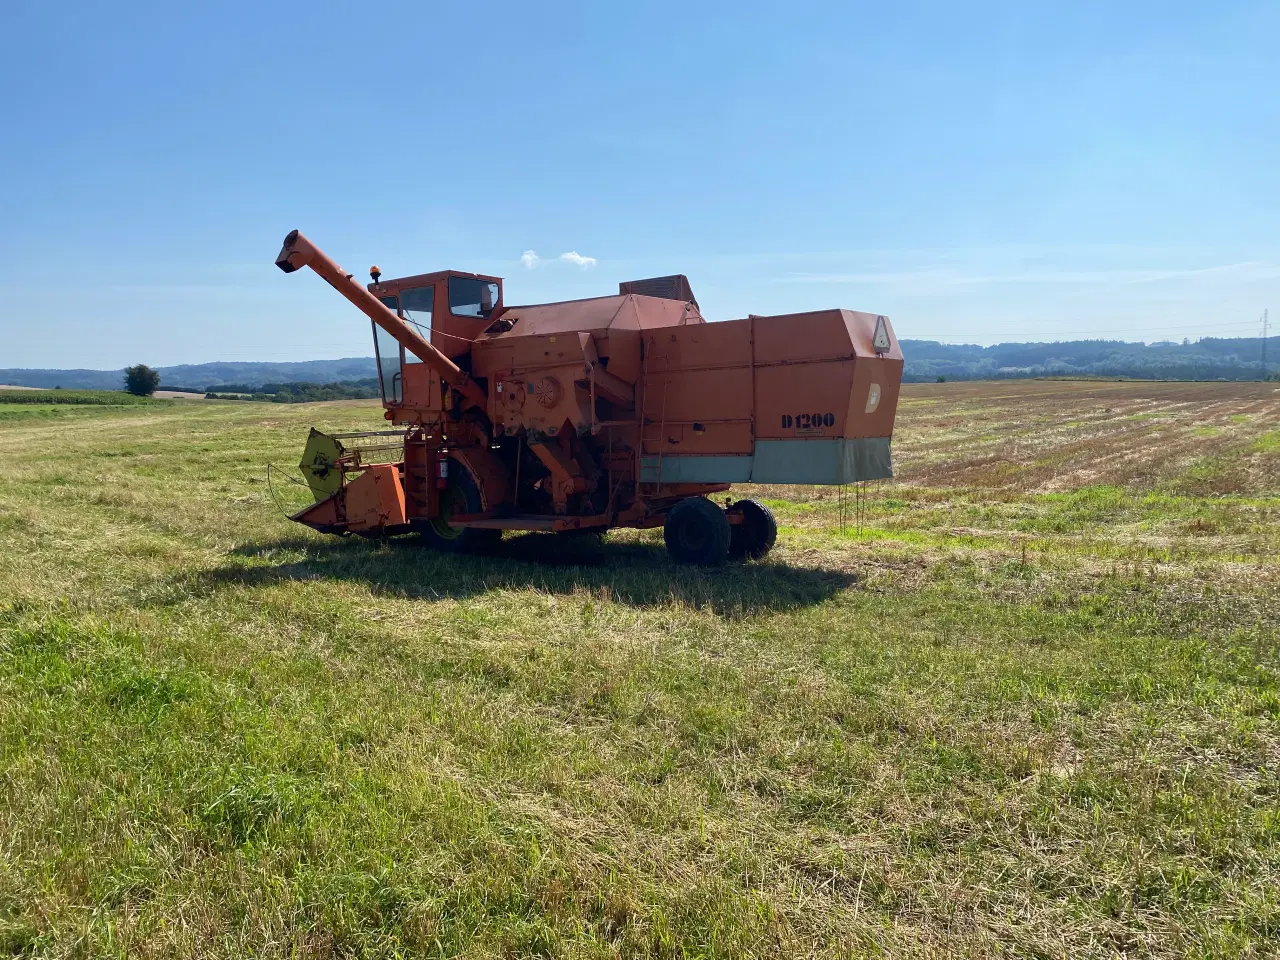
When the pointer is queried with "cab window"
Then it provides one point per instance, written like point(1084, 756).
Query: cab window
point(416, 306)
point(469, 297)
point(388, 356)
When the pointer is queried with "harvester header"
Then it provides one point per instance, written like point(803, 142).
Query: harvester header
point(623, 410)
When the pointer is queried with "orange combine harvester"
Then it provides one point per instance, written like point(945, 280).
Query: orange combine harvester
point(617, 411)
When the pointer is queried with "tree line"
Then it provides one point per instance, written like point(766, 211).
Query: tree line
point(297, 392)
point(1207, 359)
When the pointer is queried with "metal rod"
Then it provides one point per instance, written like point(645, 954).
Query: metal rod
point(1264, 344)
point(515, 490)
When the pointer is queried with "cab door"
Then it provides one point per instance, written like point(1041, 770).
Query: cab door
point(389, 355)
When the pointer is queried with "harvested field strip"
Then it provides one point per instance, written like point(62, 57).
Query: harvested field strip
point(1081, 436)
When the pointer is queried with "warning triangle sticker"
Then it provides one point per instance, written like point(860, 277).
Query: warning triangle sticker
point(881, 339)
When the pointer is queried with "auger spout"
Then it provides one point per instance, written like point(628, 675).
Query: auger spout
point(299, 252)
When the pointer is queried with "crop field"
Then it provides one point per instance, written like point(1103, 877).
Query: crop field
point(27, 404)
point(1024, 700)
point(10, 396)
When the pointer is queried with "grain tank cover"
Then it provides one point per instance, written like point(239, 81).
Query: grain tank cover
point(674, 287)
point(596, 315)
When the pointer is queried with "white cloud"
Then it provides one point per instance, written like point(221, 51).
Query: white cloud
point(531, 259)
point(573, 256)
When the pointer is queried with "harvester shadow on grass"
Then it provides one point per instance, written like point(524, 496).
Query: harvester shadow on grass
point(637, 574)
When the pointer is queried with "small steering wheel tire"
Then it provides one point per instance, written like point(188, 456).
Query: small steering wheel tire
point(755, 536)
point(461, 496)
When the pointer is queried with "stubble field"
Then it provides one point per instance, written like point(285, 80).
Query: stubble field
point(1027, 707)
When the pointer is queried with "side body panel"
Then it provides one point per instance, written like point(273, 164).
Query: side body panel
point(801, 398)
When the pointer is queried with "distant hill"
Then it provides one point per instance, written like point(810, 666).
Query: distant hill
point(1212, 358)
point(203, 376)
point(1209, 359)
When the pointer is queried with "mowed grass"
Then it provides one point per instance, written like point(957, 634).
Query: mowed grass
point(1028, 708)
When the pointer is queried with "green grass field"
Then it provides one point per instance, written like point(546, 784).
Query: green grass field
point(1030, 708)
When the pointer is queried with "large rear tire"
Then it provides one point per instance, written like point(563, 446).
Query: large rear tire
point(697, 531)
point(755, 536)
point(461, 496)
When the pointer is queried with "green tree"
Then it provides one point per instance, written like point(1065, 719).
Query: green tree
point(141, 380)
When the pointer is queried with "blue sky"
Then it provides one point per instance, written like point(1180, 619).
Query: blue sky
point(978, 172)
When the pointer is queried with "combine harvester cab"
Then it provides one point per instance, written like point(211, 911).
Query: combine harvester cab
point(625, 410)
